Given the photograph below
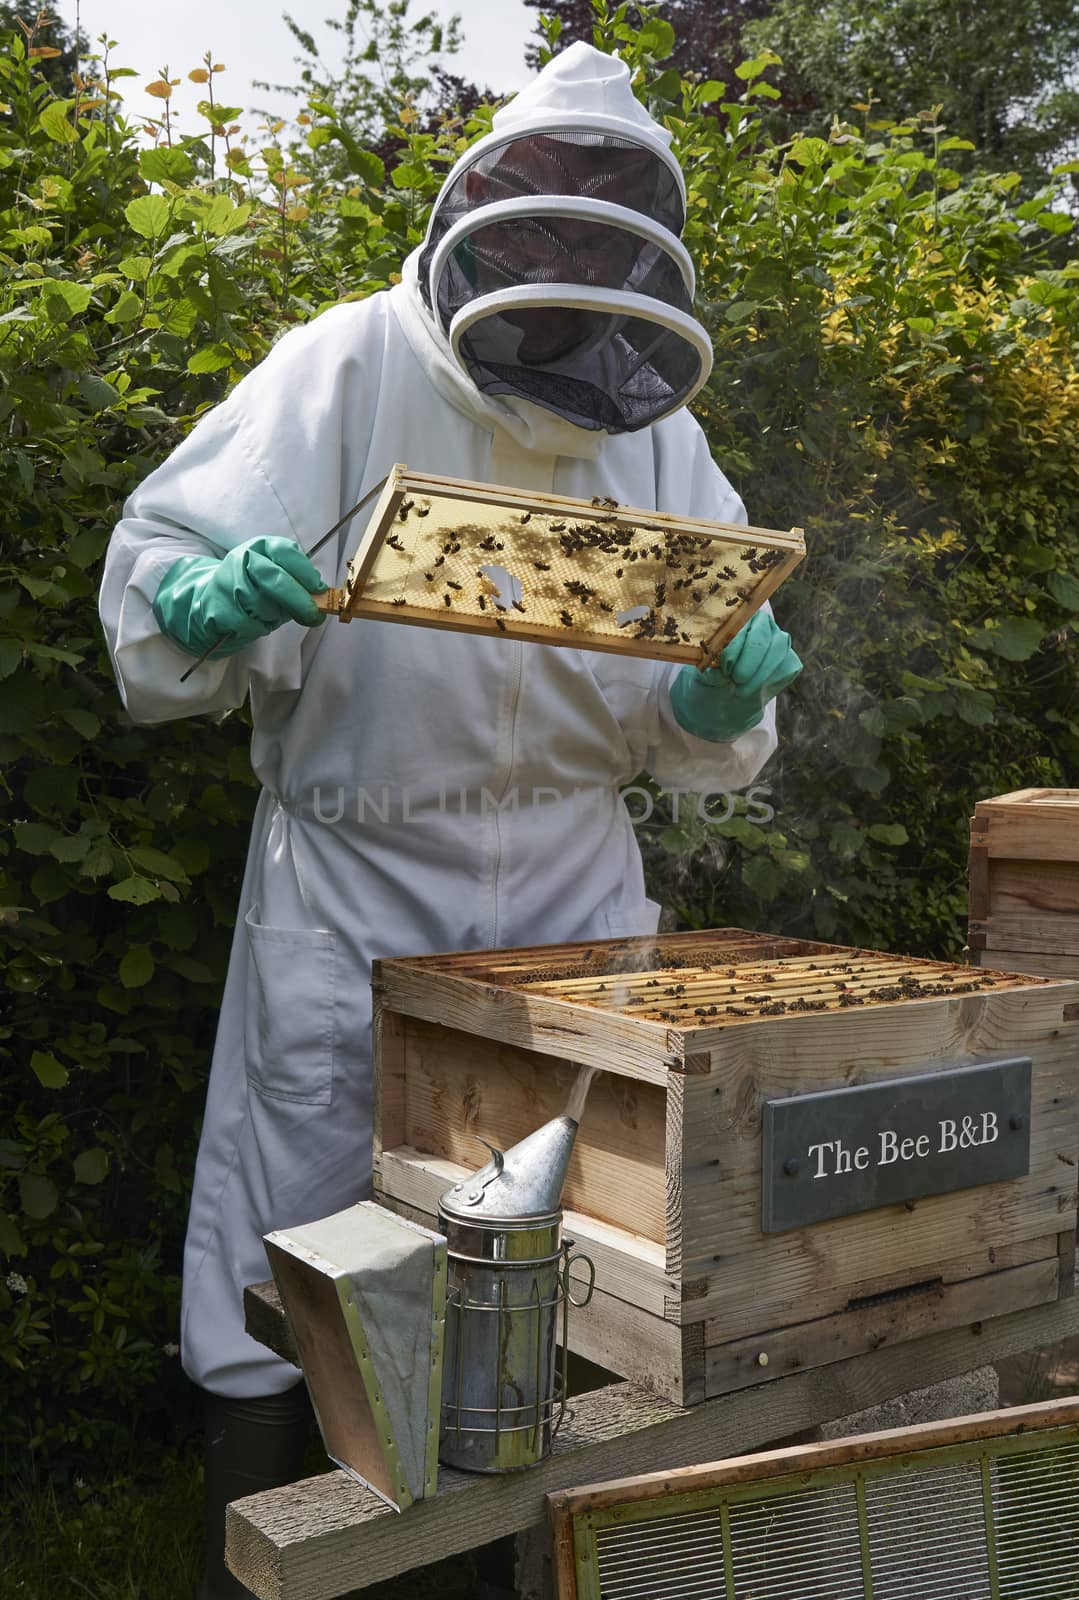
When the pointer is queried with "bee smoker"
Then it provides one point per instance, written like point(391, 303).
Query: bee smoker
point(507, 1305)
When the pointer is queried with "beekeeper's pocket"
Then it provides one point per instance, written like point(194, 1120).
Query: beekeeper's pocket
point(289, 1022)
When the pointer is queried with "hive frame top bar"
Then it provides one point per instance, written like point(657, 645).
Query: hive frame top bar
point(726, 977)
point(684, 586)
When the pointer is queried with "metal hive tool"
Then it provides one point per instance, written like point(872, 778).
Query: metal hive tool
point(982, 1508)
point(442, 552)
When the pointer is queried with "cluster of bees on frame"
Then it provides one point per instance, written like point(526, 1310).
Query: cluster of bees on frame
point(601, 547)
point(671, 996)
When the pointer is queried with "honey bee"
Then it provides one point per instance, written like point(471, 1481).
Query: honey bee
point(483, 602)
point(452, 585)
point(542, 566)
point(439, 560)
point(500, 625)
point(424, 511)
point(400, 601)
point(558, 527)
point(446, 601)
point(526, 518)
point(403, 510)
point(517, 606)
point(395, 544)
point(566, 619)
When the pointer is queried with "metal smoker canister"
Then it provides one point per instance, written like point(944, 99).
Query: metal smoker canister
point(507, 1305)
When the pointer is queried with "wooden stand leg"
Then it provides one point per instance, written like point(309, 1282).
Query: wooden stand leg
point(532, 1574)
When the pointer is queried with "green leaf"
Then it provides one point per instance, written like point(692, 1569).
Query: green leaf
point(50, 1073)
point(1016, 639)
point(136, 267)
point(92, 1165)
point(137, 967)
point(98, 863)
point(134, 891)
point(35, 838)
point(808, 152)
point(98, 393)
point(224, 216)
point(1063, 588)
point(83, 722)
point(166, 164)
point(128, 306)
point(38, 1195)
point(149, 215)
point(211, 358)
point(657, 37)
point(55, 123)
point(64, 299)
point(747, 70)
point(157, 863)
point(72, 848)
point(11, 1240)
point(844, 839)
point(761, 875)
point(10, 656)
point(888, 833)
point(1055, 221)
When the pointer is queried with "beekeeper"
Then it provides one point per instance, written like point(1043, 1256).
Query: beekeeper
point(422, 789)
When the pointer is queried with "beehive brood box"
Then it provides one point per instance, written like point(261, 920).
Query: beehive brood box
point(728, 1248)
point(1024, 882)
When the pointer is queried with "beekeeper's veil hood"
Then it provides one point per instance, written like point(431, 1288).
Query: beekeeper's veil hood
point(553, 265)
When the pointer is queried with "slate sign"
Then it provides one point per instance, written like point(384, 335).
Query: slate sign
point(847, 1150)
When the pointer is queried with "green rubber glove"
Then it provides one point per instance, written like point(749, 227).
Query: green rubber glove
point(724, 701)
point(244, 596)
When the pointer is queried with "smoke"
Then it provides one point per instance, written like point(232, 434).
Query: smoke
point(579, 1093)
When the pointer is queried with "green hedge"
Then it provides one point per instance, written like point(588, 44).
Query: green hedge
point(895, 371)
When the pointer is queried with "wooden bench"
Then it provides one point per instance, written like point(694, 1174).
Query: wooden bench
point(326, 1536)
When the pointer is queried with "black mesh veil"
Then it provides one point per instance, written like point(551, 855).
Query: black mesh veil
point(590, 165)
point(554, 266)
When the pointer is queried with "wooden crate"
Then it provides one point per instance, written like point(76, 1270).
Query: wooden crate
point(1024, 882)
point(692, 1033)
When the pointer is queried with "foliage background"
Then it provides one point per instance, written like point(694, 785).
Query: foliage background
point(895, 370)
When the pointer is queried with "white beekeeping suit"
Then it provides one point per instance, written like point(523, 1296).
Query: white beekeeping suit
point(422, 789)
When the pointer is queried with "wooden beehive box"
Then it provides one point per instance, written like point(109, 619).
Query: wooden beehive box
point(703, 1039)
point(1024, 882)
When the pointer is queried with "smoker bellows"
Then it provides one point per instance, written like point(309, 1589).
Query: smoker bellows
point(721, 1259)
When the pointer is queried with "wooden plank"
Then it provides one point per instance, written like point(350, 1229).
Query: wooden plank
point(636, 1049)
point(388, 1056)
point(801, 1459)
point(978, 881)
point(1047, 831)
point(628, 1265)
point(821, 1301)
point(755, 1278)
point(768, 1356)
point(460, 1089)
point(324, 1536)
point(563, 1553)
point(1040, 964)
point(1049, 933)
point(1032, 887)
